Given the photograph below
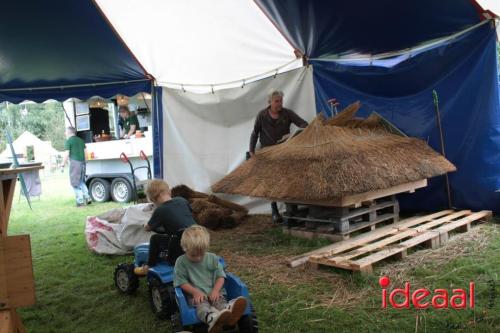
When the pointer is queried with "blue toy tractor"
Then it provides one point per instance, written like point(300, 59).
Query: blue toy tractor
point(169, 302)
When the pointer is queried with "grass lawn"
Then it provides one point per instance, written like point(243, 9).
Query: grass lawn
point(75, 291)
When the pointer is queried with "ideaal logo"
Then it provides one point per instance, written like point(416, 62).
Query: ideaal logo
point(423, 298)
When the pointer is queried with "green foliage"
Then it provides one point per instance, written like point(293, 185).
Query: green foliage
point(45, 121)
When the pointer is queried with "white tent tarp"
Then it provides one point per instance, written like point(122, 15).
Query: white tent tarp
point(200, 42)
point(206, 135)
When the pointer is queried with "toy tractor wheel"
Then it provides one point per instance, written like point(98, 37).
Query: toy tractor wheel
point(125, 279)
point(175, 323)
point(162, 298)
point(249, 323)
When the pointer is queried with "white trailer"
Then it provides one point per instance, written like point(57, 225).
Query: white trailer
point(108, 177)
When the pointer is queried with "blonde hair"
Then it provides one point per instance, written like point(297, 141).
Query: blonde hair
point(155, 188)
point(195, 239)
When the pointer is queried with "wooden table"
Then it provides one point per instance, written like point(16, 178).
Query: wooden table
point(17, 284)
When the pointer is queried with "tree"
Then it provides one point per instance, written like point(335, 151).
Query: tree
point(45, 121)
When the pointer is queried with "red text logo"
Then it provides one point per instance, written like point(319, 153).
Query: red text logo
point(422, 298)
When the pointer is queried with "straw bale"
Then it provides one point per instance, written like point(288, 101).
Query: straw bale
point(327, 162)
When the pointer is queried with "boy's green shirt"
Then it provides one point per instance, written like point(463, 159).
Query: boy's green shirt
point(201, 275)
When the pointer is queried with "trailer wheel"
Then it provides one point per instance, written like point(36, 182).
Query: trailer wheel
point(99, 190)
point(121, 190)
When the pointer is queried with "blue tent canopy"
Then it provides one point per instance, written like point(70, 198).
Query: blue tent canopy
point(60, 49)
point(322, 28)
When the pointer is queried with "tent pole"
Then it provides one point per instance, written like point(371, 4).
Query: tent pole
point(66, 114)
point(440, 128)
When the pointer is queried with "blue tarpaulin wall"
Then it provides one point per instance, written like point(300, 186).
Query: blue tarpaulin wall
point(158, 132)
point(463, 71)
point(60, 49)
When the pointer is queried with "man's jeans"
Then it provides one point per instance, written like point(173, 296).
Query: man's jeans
point(81, 193)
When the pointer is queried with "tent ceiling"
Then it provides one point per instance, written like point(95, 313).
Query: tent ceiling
point(325, 28)
point(215, 42)
point(67, 43)
point(59, 43)
point(199, 42)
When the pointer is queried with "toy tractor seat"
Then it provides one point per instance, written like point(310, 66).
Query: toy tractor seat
point(234, 288)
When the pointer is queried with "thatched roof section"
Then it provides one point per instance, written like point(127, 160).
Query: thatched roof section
point(327, 162)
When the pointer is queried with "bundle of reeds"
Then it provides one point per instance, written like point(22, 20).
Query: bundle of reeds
point(210, 210)
point(327, 161)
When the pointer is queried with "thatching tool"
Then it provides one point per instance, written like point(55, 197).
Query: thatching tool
point(389, 126)
point(333, 105)
point(438, 118)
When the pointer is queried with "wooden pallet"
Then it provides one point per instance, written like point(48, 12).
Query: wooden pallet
point(338, 223)
point(356, 200)
point(361, 252)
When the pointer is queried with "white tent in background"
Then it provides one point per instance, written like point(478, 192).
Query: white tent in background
point(43, 150)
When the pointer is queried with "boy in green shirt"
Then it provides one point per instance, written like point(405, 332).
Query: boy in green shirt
point(200, 274)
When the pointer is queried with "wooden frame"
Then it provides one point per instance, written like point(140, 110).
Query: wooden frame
point(17, 284)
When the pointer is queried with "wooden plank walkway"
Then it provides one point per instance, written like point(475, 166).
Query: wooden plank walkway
point(362, 252)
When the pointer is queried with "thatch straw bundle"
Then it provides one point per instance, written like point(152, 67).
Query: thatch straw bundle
point(327, 162)
point(346, 116)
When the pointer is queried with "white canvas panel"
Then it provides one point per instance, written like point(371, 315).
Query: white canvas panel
point(199, 41)
point(207, 135)
point(492, 5)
